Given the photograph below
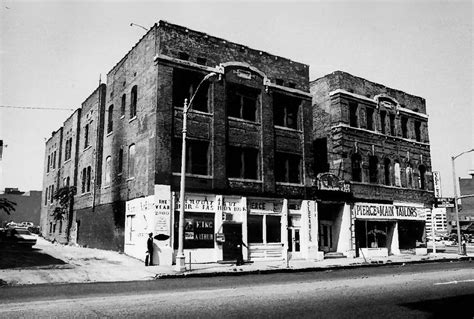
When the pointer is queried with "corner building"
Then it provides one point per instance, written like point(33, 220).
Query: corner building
point(373, 167)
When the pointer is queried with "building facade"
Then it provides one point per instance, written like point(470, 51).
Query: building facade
point(373, 167)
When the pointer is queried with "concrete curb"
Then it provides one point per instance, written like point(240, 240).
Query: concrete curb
point(242, 272)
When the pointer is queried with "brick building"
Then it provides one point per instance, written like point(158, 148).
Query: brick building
point(373, 167)
point(466, 211)
point(249, 151)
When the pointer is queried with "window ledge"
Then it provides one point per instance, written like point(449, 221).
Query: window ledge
point(290, 184)
point(85, 194)
point(110, 133)
point(287, 129)
point(130, 179)
point(67, 161)
point(122, 116)
point(88, 147)
point(194, 175)
point(243, 120)
point(132, 119)
point(236, 179)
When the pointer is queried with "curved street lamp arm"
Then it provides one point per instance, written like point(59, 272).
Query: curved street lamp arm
point(197, 89)
point(454, 157)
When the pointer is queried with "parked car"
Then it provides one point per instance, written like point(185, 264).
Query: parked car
point(17, 237)
point(27, 224)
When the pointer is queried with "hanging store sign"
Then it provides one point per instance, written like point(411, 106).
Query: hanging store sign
point(264, 207)
point(444, 202)
point(437, 184)
point(198, 203)
point(330, 182)
point(389, 212)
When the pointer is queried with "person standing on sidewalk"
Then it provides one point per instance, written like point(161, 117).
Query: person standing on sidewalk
point(239, 243)
point(149, 245)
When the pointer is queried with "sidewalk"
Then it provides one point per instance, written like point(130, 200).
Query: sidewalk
point(94, 265)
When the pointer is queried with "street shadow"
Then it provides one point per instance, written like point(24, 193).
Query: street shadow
point(17, 257)
point(450, 307)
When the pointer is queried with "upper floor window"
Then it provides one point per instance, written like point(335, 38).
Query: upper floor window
point(120, 161)
point(386, 169)
point(197, 157)
point(131, 161)
point(373, 169)
point(383, 116)
point(46, 196)
point(370, 118)
point(242, 102)
point(54, 159)
point(52, 193)
point(86, 136)
point(392, 124)
point(422, 169)
point(133, 102)
point(122, 105)
point(418, 131)
point(242, 163)
point(409, 176)
point(397, 174)
point(185, 84)
point(288, 168)
point(88, 181)
point(404, 124)
point(353, 118)
point(49, 164)
point(286, 110)
point(320, 148)
point(110, 119)
point(68, 149)
point(108, 163)
point(356, 165)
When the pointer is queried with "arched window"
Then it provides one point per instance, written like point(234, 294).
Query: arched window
point(89, 178)
point(120, 161)
point(133, 102)
point(409, 176)
point(110, 117)
point(386, 171)
point(122, 106)
point(131, 161)
point(84, 178)
point(422, 169)
point(108, 161)
point(397, 174)
point(356, 168)
point(373, 169)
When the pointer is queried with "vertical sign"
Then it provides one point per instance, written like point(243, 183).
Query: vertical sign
point(163, 209)
point(437, 184)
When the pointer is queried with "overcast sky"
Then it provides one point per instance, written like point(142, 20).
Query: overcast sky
point(53, 53)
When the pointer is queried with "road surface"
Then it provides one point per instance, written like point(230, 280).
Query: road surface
point(434, 290)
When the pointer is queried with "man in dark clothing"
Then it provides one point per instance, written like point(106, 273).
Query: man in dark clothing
point(239, 243)
point(149, 245)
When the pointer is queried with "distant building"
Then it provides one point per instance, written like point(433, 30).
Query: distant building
point(374, 141)
point(466, 209)
point(27, 209)
point(438, 220)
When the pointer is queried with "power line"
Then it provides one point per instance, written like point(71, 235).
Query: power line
point(36, 108)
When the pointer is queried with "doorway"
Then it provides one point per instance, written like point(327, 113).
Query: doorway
point(325, 236)
point(232, 234)
point(294, 245)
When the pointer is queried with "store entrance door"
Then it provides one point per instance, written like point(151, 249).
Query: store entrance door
point(325, 236)
point(232, 235)
point(294, 247)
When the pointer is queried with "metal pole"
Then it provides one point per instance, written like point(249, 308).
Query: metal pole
point(180, 259)
point(433, 231)
point(456, 205)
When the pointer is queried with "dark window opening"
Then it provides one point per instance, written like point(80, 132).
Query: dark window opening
point(122, 105)
point(86, 135)
point(279, 81)
point(201, 61)
point(353, 119)
point(288, 168)
point(199, 230)
point(286, 110)
point(386, 169)
point(242, 163)
point(183, 56)
point(356, 162)
point(373, 169)
point(84, 180)
point(255, 229)
point(273, 229)
point(371, 234)
point(120, 161)
point(110, 122)
point(49, 163)
point(185, 84)
point(392, 124)
point(422, 169)
point(133, 102)
point(242, 102)
point(292, 85)
point(418, 131)
point(320, 147)
point(197, 157)
point(88, 181)
point(383, 116)
point(370, 118)
point(404, 127)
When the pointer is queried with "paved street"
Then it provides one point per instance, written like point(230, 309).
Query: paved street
point(420, 290)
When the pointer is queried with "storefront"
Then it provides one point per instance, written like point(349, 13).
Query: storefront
point(386, 229)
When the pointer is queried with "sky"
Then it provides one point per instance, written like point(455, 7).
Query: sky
point(53, 53)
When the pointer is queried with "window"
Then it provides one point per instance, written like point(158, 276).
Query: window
point(131, 227)
point(320, 155)
point(86, 136)
point(60, 226)
point(287, 168)
point(242, 163)
point(133, 102)
point(49, 164)
point(370, 118)
point(392, 124)
point(199, 230)
point(54, 159)
point(201, 61)
point(242, 102)
point(418, 131)
point(396, 169)
point(286, 110)
point(404, 122)
point(356, 162)
point(422, 169)
point(353, 119)
point(88, 180)
point(373, 169)
point(185, 84)
point(46, 196)
point(183, 56)
point(108, 162)
point(68, 180)
point(120, 161)
point(383, 116)
point(110, 119)
point(50, 227)
point(131, 161)
point(273, 229)
point(68, 150)
point(409, 176)
point(197, 157)
point(264, 229)
point(122, 105)
point(255, 228)
point(386, 169)
point(84, 180)
point(52, 193)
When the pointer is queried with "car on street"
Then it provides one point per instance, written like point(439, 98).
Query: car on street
point(17, 237)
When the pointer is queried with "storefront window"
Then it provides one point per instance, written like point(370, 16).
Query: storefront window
point(371, 234)
point(255, 228)
point(198, 230)
point(273, 229)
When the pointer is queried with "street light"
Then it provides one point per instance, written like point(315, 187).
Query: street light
point(140, 26)
point(460, 251)
point(180, 262)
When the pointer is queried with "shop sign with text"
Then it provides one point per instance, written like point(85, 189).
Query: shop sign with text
point(386, 211)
